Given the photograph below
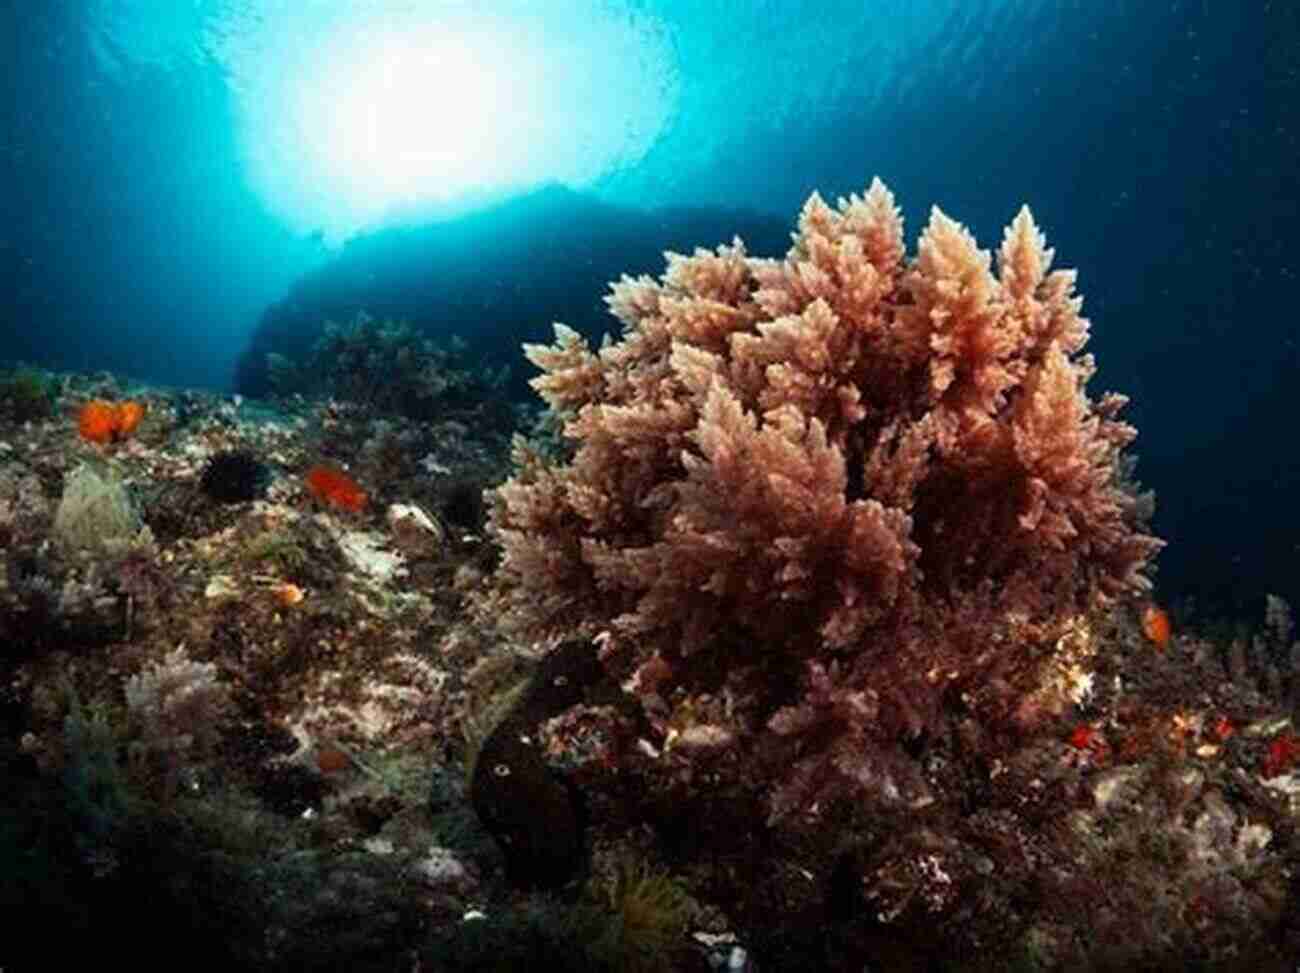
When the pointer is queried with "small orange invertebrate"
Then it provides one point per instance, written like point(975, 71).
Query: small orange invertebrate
point(287, 593)
point(336, 488)
point(97, 421)
point(129, 414)
point(1092, 746)
point(1156, 625)
point(1283, 753)
point(331, 760)
point(107, 422)
point(1084, 736)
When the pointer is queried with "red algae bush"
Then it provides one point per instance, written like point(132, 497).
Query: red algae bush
point(815, 504)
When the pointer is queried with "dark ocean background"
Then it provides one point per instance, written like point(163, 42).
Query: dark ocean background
point(169, 213)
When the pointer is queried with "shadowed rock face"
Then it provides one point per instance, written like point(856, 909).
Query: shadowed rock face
point(535, 814)
point(496, 278)
point(529, 810)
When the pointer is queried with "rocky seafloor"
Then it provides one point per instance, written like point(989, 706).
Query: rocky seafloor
point(263, 723)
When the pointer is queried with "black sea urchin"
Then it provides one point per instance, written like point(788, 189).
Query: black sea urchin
point(234, 476)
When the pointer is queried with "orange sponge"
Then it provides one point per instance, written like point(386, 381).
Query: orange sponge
point(108, 422)
point(97, 421)
point(129, 414)
point(336, 488)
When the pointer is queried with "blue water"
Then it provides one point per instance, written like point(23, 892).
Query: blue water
point(178, 174)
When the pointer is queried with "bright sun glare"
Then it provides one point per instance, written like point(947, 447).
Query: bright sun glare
point(423, 118)
point(352, 113)
point(417, 113)
point(357, 114)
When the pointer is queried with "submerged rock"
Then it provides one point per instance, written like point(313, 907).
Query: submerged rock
point(534, 813)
